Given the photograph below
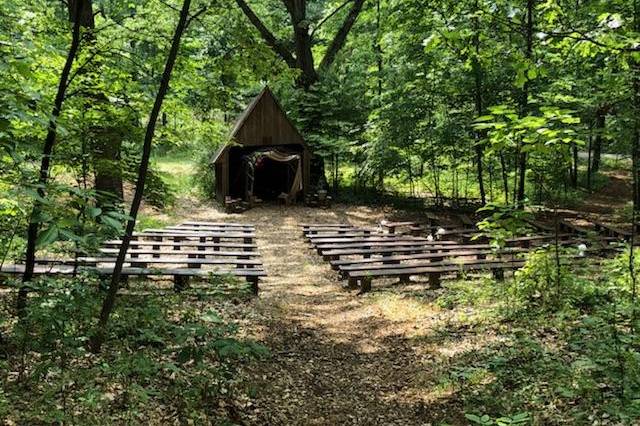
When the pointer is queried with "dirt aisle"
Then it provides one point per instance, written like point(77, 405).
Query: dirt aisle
point(336, 357)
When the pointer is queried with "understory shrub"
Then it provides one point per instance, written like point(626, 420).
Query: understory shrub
point(156, 191)
point(168, 358)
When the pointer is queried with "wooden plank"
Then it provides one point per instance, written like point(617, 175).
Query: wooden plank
point(418, 264)
point(539, 225)
point(610, 231)
point(134, 271)
point(570, 227)
point(400, 243)
point(429, 255)
point(183, 243)
point(350, 233)
point(210, 229)
point(326, 225)
point(367, 239)
point(190, 234)
point(203, 253)
point(420, 248)
point(423, 270)
point(225, 224)
point(173, 260)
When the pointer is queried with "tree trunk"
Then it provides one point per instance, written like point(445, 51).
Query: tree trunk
point(600, 123)
point(574, 170)
point(524, 103)
point(477, 73)
point(303, 60)
point(505, 178)
point(109, 301)
point(302, 40)
point(107, 139)
point(45, 163)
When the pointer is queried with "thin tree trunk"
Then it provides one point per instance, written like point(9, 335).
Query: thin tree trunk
point(574, 171)
point(45, 163)
point(378, 50)
point(600, 123)
point(109, 301)
point(524, 106)
point(477, 73)
point(589, 158)
point(505, 178)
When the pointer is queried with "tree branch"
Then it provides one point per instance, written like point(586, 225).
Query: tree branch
point(341, 36)
point(329, 16)
point(267, 36)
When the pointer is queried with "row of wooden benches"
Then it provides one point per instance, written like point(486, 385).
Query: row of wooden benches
point(191, 249)
point(360, 257)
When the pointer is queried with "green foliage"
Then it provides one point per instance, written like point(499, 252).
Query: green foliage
point(169, 353)
point(503, 222)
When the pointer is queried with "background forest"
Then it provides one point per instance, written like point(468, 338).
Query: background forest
point(467, 99)
point(505, 104)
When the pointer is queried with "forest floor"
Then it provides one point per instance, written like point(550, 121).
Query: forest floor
point(400, 355)
point(339, 358)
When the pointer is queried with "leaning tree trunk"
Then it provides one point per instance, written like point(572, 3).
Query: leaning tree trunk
point(45, 163)
point(109, 302)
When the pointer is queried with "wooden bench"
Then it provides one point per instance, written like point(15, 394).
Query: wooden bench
point(215, 236)
point(322, 248)
point(566, 226)
point(343, 234)
point(540, 225)
point(177, 245)
point(433, 256)
point(433, 271)
point(334, 254)
point(220, 224)
point(610, 231)
point(194, 263)
point(365, 239)
point(392, 227)
point(191, 228)
point(195, 253)
point(180, 275)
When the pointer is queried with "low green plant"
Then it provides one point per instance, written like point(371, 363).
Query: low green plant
point(167, 356)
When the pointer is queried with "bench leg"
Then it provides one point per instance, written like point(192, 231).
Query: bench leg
point(498, 274)
point(254, 284)
point(404, 279)
point(353, 283)
point(434, 280)
point(365, 285)
point(180, 282)
point(124, 281)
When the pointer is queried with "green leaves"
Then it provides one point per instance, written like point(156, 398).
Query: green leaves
point(48, 236)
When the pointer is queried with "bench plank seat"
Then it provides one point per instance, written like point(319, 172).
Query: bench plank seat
point(222, 224)
point(419, 264)
point(374, 244)
point(183, 243)
point(418, 256)
point(191, 234)
point(367, 239)
point(205, 253)
point(170, 261)
point(434, 272)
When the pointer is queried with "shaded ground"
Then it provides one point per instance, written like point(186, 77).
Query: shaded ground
point(339, 358)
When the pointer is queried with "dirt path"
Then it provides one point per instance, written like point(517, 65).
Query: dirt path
point(336, 358)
